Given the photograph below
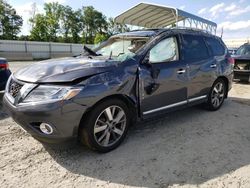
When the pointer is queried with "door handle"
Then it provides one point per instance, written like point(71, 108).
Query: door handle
point(181, 71)
point(213, 65)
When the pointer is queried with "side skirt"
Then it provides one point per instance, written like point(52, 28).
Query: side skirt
point(174, 107)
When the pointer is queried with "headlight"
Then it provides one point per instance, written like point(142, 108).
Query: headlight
point(45, 93)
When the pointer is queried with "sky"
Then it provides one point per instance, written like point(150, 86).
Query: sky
point(231, 15)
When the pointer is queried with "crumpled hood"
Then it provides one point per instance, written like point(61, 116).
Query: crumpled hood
point(64, 69)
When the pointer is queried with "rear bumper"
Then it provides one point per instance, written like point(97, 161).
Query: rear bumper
point(243, 75)
point(64, 117)
point(4, 76)
point(2, 85)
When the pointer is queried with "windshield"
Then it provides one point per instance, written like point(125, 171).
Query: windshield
point(121, 49)
point(244, 50)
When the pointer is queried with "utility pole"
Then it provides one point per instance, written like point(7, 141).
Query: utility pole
point(13, 13)
point(222, 31)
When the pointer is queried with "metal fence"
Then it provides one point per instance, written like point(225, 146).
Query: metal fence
point(27, 50)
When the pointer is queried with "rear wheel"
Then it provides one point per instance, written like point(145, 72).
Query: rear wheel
point(217, 95)
point(105, 127)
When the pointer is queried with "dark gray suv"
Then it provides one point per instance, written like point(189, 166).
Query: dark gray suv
point(133, 76)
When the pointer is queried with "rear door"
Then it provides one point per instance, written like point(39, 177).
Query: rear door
point(163, 79)
point(201, 66)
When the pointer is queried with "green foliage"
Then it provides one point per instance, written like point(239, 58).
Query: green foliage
point(114, 28)
point(53, 12)
point(71, 24)
point(40, 31)
point(100, 38)
point(10, 22)
point(94, 22)
point(60, 23)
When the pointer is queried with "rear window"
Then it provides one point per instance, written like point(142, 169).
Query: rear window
point(243, 50)
point(216, 47)
point(194, 48)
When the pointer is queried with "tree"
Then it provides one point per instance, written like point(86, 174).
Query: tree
point(53, 12)
point(77, 26)
point(94, 22)
point(100, 38)
point(39, 31)
point(10, 22)
point(71, 24)
point(59, 23)
point(67, 15)
point(115, 28)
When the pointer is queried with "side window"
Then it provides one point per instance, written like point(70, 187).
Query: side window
point(194, 48)
point(165, 50)
point(216, 47)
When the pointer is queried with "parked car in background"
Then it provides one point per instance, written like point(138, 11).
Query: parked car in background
point(4, 73)
point(232, 51)
point(133, 76)
point(242, 63)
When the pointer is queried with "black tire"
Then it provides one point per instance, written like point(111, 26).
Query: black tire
point(220, 96)
point(89, 125)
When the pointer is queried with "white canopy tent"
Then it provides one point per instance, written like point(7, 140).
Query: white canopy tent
point(157, 16)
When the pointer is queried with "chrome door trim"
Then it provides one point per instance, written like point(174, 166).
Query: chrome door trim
point(175, 104)
point(197, 98)
point(165, 107)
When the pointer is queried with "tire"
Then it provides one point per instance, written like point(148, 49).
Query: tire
point(105, 126)
point(216, 95)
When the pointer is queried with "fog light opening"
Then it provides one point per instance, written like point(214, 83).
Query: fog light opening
point(46, 128)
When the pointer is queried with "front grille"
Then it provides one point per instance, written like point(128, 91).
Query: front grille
point(14, 88)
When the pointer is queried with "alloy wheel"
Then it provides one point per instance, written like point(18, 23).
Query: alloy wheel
point(218, 94)
point(110, 126)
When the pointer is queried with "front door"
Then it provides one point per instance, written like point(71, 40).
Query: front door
point(163, 79)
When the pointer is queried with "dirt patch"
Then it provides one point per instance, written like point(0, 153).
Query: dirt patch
point(188, 148)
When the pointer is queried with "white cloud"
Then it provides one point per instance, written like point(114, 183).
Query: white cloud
point(202, 11)
point(231, 8)
point(240, 11)
point(234, 26)
point(227, 11)
point(182, 7)
point(216, 9)
point(55, 1)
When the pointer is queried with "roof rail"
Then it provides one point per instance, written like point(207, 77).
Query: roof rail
point(149, 15)
point(191, 29)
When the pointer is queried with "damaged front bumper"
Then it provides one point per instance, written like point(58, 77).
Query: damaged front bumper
point(63, 116)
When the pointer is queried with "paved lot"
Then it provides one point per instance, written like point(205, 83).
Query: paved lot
point(188, 148)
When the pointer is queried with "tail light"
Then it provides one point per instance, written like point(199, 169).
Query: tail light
point(4, 66)
point(231, 60)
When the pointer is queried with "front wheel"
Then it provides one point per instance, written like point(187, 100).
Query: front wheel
point(217, 95)
point(105, 127)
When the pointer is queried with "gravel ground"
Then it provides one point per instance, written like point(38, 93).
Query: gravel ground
point(188, 148)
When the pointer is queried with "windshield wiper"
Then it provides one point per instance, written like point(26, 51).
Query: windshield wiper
point(90, 52)
point(110, 55)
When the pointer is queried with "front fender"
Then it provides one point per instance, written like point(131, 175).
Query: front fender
point(118, 82)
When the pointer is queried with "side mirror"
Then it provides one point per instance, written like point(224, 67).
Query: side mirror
point(154, 71)
point(146, 60)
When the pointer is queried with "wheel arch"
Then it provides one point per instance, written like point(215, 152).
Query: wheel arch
point(129, 101)
point(225, 79)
